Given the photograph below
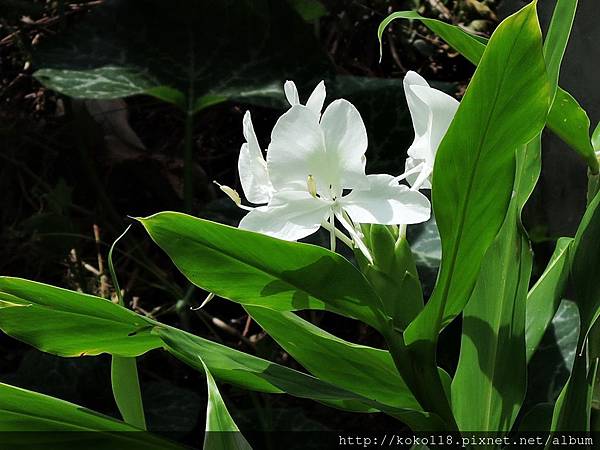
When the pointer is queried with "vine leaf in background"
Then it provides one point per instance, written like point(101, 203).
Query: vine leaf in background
point(175, 51)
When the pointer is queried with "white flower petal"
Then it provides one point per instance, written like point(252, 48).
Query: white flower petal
point(442, 109)
point(316, 99)
point(252, 167)
point(386, 202)
point(297, 150)
point(346, 142)
point(412, 162)
point(291, 93)
point(291, 215)
point(431, 111)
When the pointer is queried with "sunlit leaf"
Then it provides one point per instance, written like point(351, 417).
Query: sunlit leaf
point(491, 375)
point(221, 432)
point(68, 323)
point(474, 151)
point(254, 269)
point(478, 147)
point(566, 118)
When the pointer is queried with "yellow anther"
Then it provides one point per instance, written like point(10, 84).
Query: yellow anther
point(312, 186)
point(231, 193)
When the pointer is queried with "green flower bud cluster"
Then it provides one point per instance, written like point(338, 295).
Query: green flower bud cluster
point(393, 274)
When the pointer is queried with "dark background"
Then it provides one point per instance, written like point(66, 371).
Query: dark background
point(68, 167)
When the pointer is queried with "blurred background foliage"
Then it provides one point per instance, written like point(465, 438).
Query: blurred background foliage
point(72, 169)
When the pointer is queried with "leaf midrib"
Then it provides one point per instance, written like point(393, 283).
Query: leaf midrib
point(274, 275)
point(467, 195)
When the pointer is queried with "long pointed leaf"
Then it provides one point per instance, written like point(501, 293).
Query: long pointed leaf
point(68, 323)
point(367, 371)
point(254, 269)
point(491, 375)
point(566, 117)
point(221, 431)
point(358, 368)
point(478, 147)
point(29, 420)
point(126, 390)
point(545, 296)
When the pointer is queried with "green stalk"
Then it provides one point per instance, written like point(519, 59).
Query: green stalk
point(188, 153)
point(593, 186)
point(594, 335)
point(425, 389)
point(123, 374)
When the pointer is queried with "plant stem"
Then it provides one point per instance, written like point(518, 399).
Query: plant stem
point(594, 333)
point(593, 186)
point(188, 153)
point(123, 370)
point(431, 397)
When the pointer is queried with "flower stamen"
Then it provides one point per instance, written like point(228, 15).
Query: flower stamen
point(312, 186)
point(355, 236)
point(233, 195)
point(415, 169)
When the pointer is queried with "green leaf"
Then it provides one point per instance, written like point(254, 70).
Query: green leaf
point(253, 373)
point(585, 259)
point(573, 407)
point(126, 390)
point(566, 118)
point(123, 371)
point(569, 121)
point(39, 421)
point(309, 10)
point(491, 375)
point(550, 367)
point(367, 371)
point(68, 323)
point(557, 38)
point(468, 45)
point(250, 372)
point(479, 146)
point(221, 431)
point(364, 370)
point(254, 269)
point(545, 296)
point(596, 138)
point(175, 51)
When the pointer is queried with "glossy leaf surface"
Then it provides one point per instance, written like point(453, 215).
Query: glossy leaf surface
point(254, 269)
point(68, 323)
